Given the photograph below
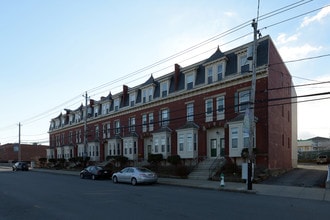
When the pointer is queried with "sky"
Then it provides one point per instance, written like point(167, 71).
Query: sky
point(52, 52)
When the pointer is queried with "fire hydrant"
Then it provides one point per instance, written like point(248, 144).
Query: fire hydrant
point(222, 180)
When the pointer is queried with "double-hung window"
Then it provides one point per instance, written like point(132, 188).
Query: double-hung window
point(117, 127)
point(151, 121)
point(144, 123)
point(150, 94)
point(220, 71)
point(208, 110)
point(132, 99)
point(190, 112)
point(220, 107)
point(244, 100)
point(144, 96)
point(117, 104)
point(164, 88)
point(244, 64)
point(234, 137)
point(164, 117)
point(209, 75)
point(132, 124)
point(181, 142)
point(190, 81)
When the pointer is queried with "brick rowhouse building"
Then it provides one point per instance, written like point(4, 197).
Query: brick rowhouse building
point(29, 152)
point(195, 112)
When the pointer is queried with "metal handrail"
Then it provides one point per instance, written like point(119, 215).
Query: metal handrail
point(219, 162)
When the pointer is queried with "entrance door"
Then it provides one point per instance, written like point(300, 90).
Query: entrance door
point(213, 147)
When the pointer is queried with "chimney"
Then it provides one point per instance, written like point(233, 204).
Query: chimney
point(125, 92)
point(176, 75)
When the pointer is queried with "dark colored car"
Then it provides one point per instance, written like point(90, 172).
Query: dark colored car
point(322, 159)
point(21, 166)
point(95, 172)
point(135, 175)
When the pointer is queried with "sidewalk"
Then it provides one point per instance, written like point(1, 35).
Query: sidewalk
point(321, 194)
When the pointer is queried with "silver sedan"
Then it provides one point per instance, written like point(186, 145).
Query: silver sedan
point(135, 175)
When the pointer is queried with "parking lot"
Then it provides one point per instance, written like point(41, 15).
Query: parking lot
point(305, 175)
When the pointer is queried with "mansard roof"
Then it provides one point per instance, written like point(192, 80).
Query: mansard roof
point(215, 56)
point(151, 80)
point(108, 97)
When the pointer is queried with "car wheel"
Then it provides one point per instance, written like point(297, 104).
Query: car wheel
point(114, 179)
point(93, 177)
point(133, 181)
point(82, 176)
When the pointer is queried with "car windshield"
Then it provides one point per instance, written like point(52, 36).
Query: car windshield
point(322, 156)
point(98, 168)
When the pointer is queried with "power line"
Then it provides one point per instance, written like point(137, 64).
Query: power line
point(230, 31)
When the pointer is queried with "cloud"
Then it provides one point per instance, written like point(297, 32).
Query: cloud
point(283, 39)
point(298, 52)
point(318, 17)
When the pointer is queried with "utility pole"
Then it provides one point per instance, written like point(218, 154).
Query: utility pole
point(85, 130)
point(19, 142)
point(251, 106)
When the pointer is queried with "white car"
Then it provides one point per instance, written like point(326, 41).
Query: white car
point(135, 175)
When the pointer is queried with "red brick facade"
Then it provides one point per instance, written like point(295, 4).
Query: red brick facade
point(210, 133)
point(10, 152)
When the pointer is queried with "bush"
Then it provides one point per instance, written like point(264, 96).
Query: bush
point(42, 161)
point(174, 160)
point(155, 158)
point(118, 159)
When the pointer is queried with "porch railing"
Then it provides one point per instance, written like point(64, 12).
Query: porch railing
point(216, 165)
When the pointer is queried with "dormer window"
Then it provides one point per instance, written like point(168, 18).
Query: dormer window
point(147, 94)
point(116, 104)
point(96, 110)
point(132, 99)
point(105, 108)
point(164, 89)
point(150, 94)
point(243, 63)
point(189, 81)
point(220, 71)
point(209, 75)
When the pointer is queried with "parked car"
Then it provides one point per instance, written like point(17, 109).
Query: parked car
point(135, 175)
point(322, 159)
point(95, 172)
point(21, 166)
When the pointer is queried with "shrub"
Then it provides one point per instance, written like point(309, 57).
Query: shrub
point(42, 161)
point(155, 158)
point(174, 159)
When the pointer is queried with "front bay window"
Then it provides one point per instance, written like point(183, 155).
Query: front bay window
point(238, 139)
point(187, 142)
point(162, 143)
point(130, 147)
